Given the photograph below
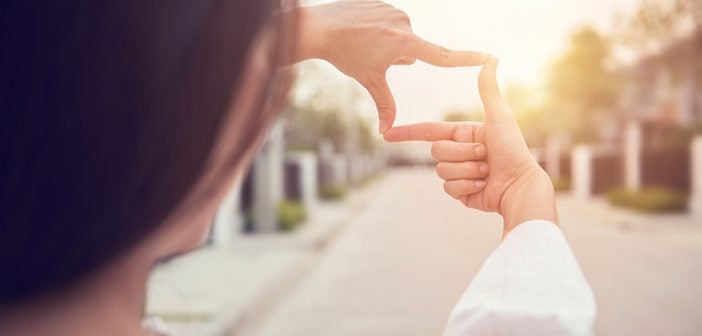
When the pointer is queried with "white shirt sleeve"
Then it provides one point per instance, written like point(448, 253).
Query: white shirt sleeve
point(530, 285)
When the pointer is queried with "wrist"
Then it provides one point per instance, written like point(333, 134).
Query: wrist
point(530, 198)
point(311, 33)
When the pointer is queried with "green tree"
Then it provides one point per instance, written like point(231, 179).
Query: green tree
point(529, 106)
point(326, 105)
point(657, 23)
point(666, 30)
point(306, 126)
point(583, 91)
point(533, 114)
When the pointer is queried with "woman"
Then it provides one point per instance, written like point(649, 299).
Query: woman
point(124, 124)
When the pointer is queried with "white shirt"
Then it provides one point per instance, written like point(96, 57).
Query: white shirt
point(530, 285)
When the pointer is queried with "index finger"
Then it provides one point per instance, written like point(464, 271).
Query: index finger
point(439, 56)
point(425, 131)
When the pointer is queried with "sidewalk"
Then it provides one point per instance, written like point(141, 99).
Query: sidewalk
point(622, 218)
point(220, 289)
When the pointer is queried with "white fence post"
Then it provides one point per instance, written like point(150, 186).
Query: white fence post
point(268, 181)
point(307, 164)
point(334, 167)
point(696, 171)
point(632, 156)
point(229, 221)
point(581, 165)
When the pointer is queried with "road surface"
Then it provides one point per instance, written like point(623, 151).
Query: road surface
point(402, 262)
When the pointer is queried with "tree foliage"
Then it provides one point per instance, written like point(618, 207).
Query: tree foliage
point(326, 105)
point(305, 127)
point(582, 88)
point(657, 23)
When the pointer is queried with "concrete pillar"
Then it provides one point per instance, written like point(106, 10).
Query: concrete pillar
point(688, 99)
point(306, 179)
point(228, 221)
point(581, 165)
point(352, 169)
point(334, 168)
point(359, 168)
point(696, 171)
point(325, 150)
point(633, 143)
point(552, 157)
point(268, 181)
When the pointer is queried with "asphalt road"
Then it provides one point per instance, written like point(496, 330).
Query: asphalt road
point(403, 261)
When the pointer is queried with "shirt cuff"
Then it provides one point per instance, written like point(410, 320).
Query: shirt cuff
point(530, 285)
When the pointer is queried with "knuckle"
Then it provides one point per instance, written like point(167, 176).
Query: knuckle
point(398, 34)
point(427, 131)
point(464, 150)
point(435, 150)
point(451, 189)
point(474, 168)
point(405, 37)
point(402, 16)
point(381, 106)
point(441, 169)
point(390, 32)
point(447, 187)
point(466, 201)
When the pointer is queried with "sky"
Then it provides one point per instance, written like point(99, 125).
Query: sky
point(526, 35)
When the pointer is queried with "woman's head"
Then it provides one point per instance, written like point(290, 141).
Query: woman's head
point(114, 117)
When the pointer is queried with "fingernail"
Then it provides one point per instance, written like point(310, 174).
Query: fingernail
point(484, 168)
point(480, 151)
point(480, 184)
point(382, 127)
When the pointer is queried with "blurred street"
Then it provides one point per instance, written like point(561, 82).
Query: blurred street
point(404, 259)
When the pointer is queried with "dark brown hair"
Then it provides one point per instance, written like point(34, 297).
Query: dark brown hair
point(109, 111)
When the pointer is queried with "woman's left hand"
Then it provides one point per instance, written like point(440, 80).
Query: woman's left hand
point(363, 38)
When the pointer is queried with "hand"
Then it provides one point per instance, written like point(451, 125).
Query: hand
point(461, 164)
point(364, 38)
point(516, 186)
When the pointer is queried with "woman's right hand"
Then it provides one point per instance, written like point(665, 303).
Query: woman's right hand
point(516, 186)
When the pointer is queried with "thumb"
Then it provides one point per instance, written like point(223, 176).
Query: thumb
point(496, 108)
point(384, 102)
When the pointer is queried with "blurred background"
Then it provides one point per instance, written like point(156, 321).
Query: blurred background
point(333, 232)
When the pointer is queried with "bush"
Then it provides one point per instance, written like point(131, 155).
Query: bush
point(651, 200)
point(368, 180)
point(290, 215)
point(335, 192)
point(561, 184)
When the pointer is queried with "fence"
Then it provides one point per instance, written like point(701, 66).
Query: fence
point(667, 168)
